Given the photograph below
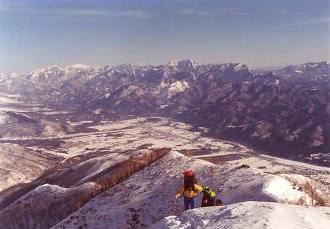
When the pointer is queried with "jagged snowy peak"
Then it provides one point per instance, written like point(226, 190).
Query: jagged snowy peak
point(129, 67)
point(79, 67)
point(57, 70)
point(240, 67)
point(187, 65)
point(172, 63)
point(182, 65)
point(56, 73)
point(44, 73)
point(51, 68)
point(254, 215)
point(315, 64)
point(311, 70)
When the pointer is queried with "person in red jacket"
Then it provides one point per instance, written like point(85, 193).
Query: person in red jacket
point(189, 190)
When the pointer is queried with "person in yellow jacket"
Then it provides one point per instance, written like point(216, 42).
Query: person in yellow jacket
point(208, 197)
point(189, 190)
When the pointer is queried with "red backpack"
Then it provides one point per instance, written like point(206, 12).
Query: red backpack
point(189, 180)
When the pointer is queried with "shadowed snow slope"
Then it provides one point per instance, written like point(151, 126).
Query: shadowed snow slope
point(253, 215)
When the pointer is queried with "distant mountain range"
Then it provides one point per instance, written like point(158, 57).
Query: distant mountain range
point(283, 112)
point(87, 147)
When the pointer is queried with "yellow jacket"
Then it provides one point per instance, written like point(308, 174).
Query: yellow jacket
point(189, 193)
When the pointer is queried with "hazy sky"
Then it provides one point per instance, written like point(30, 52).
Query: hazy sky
point(35, 33)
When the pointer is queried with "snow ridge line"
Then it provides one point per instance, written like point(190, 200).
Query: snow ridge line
point(49, 194)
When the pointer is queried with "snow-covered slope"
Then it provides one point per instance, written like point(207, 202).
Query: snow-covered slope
point(45, 205)
point(143, 197)
point(254, 215)
point(141, 200)
point(20, 165)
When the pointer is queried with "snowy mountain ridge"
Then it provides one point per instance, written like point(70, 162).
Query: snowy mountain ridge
point(105, 147)
point(200, 94)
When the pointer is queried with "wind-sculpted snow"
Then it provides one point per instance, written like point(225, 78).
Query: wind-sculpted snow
point(254, 215)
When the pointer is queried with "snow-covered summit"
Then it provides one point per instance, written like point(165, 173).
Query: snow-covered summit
point(239, 67)
point(172, 63)
point(41, 74)
point(78, 68)
point(253, 215)
point(49, 68)
point(187, 65)
point(182, 65)
point(128, 67)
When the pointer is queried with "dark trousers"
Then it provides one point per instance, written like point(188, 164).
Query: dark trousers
point(189, 203)
point(206, 201)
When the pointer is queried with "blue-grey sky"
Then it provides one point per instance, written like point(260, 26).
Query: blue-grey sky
point(35, 33)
